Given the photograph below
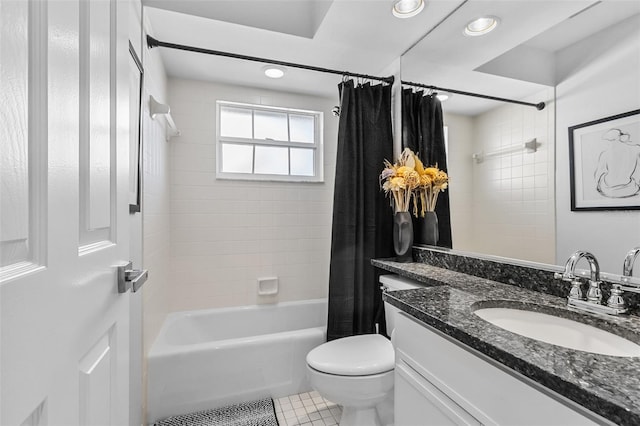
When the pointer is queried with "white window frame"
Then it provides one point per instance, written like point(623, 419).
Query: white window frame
point(317, 145)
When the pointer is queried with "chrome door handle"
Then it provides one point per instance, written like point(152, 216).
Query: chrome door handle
point(131, 279)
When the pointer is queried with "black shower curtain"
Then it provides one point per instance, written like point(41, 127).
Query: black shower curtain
point(423, 133)
point(362, 217)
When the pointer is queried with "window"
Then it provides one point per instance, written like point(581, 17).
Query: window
point(255, 142)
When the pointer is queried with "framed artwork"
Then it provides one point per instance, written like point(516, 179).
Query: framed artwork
point(136, 75)
point(604, 162)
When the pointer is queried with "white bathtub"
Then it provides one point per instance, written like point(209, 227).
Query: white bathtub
point(211, 358)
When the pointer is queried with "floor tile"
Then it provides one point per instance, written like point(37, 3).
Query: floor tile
point(307, 409)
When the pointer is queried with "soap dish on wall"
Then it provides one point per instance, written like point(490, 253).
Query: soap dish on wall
point(267, 286)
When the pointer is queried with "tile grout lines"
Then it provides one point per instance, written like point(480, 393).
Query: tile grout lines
point(307, 408)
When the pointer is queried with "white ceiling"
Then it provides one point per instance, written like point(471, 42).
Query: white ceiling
point(362, 36)
point(515, 61)
point(299, 18)
point(356, 35)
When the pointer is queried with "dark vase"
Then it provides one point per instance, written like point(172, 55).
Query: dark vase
point(427, 229)
point(403, 236)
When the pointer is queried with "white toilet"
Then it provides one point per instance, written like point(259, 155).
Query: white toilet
point(357, 372)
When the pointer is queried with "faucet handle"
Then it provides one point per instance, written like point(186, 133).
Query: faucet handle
point(594, 294)
point(576, 290)
point(564, 276)
point(616, 300)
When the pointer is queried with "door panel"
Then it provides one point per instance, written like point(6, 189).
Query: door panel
point(97, 33)
point(64, 329)
point(22, 130)
point(96, 382)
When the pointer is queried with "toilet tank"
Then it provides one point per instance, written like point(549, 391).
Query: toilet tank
point(392, 283)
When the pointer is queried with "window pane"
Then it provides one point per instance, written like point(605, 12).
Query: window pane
point(235, 122)
point(302, 162)
point(272, 160)
point(237, 158)
point(302, 128)
point(271, 125)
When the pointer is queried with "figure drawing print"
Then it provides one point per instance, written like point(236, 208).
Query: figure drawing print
point(605, 163)
point(618, 171)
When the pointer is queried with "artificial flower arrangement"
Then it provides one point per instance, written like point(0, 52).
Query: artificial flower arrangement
point(408, 180)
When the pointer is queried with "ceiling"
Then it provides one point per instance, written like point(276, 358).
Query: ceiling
point(302, 18)
point(362, 36)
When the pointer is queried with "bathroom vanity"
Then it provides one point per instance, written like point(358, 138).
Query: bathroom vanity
point(450, 384)
point(453, 367)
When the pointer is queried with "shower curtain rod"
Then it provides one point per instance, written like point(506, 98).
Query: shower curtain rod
point(152, 42)
point(539, 106)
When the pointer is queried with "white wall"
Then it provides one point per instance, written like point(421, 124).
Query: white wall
point(598, 77)
point(460, 168)
point(226, 234)
point(155, 206)
point(507, 199)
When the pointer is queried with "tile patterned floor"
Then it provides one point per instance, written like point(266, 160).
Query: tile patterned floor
point(308, 408)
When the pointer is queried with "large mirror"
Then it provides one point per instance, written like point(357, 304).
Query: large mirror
point(582, 58)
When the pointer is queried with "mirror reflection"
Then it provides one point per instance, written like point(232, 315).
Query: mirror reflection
point(508, 163)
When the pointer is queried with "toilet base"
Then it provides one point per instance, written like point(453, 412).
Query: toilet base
point(360, 416)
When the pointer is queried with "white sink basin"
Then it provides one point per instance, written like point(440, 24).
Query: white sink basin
point(559, 331)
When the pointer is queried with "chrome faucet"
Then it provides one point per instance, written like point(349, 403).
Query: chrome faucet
point(593, 303)
point(594, 295)
point(629, 260)
point(570, 266)
point(617, 290)
point(627, 273)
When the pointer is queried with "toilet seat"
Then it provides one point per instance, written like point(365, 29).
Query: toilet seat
point(361, 355)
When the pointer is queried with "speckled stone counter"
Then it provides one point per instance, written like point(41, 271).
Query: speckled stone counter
point(606, 385)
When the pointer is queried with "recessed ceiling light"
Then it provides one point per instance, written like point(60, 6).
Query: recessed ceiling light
point(407, 8)
point(273, 71)
point(481, 25)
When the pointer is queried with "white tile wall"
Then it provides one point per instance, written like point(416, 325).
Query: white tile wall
point(510, 197)
point(225, 234)
point(513, 194)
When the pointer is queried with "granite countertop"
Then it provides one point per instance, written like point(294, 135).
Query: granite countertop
point(607, 385)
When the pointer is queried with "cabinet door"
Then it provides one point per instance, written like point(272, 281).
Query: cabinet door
point(490, 392)
point(419, 402)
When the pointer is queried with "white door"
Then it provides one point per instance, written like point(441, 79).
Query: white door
point(64, 351)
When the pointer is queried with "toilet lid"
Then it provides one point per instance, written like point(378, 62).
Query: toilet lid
point(353, 356)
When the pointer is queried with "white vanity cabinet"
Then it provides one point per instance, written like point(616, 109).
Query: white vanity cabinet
point(441, 382)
